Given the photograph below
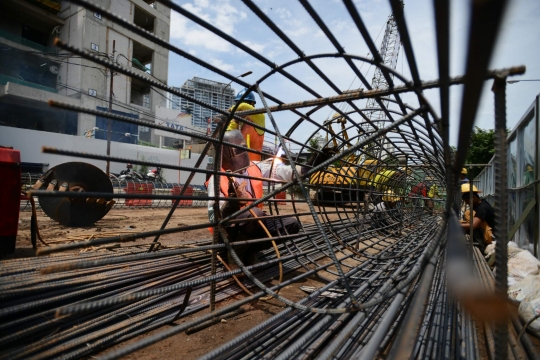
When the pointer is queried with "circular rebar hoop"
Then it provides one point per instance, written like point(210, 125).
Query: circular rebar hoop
point(368, 179)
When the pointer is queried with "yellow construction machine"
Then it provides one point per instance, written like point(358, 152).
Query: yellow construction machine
point(349, 179)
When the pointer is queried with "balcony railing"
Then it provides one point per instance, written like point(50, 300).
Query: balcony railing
point(4, 79)
point(19, 40)
point(51, 5)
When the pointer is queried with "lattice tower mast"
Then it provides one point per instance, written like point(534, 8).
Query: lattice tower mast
point(389, 51)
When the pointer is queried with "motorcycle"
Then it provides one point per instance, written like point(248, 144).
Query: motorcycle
point(138, 176)
point(124, 174)
point(156, 176)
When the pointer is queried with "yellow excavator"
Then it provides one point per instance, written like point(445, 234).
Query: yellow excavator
point(352, 177)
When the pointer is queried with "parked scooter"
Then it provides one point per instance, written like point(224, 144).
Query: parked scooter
point(138, 176)
point(156, 176)
point(124, 174)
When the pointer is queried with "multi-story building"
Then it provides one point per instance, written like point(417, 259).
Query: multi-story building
point(211, 92)
point(174, 100)
point(32, 71)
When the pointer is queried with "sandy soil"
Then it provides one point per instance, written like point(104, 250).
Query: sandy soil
point(126, 220)
point(114, 223)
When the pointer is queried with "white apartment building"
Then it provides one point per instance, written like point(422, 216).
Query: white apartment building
point(211, 92)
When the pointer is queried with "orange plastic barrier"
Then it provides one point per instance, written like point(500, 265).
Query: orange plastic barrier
point(135, 188)
point(281, 196)
point(175, 191)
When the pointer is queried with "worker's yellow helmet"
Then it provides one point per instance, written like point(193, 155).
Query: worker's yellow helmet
point(464, 171)
point(390, 196)
point(465, 188)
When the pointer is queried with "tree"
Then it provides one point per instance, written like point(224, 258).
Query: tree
point(481, 149)
point(143, 169)
point(315, 143)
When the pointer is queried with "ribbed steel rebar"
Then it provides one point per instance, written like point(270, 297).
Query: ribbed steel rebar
point(370, 229)
point(501, 201)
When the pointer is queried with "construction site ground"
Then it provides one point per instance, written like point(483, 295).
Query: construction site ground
point(136, 220)
point(184, 346)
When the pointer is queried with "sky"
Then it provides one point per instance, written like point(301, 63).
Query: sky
point(518, 44)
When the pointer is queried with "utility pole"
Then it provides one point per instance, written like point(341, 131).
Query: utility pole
point(107, 169)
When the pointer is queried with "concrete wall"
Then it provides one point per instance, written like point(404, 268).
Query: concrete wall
point(82, 28)
point(121, 83)
point(30, 143)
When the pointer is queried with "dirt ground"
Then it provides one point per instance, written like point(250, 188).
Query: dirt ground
point(181, 346)
point(127, 220)
point(121, 221)
point(192, 346)
point(116, 222)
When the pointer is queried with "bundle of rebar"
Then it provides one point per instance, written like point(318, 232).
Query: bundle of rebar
point(47, 298)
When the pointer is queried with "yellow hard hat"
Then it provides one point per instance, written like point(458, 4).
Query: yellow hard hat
point(390, 196)
point(465, 188)
point(464, 171)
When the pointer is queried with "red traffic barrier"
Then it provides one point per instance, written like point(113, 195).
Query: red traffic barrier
point(281, 196)
point(138, 188)
point(10, 193)
point(175, 191)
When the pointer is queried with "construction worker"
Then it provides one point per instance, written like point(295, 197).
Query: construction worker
point(419, 191)
point(483, 217)
point(428, 192)
point(254, 137)
point(463, 176)
point(383, 214)
point(463, 180)
point(237, 161)
point(433, 193)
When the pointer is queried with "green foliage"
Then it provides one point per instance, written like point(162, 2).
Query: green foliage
point(370, 151)
point(481, 149)
point(314, 143)
point(146, 143)
point(296, 191)
point(143, 169)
